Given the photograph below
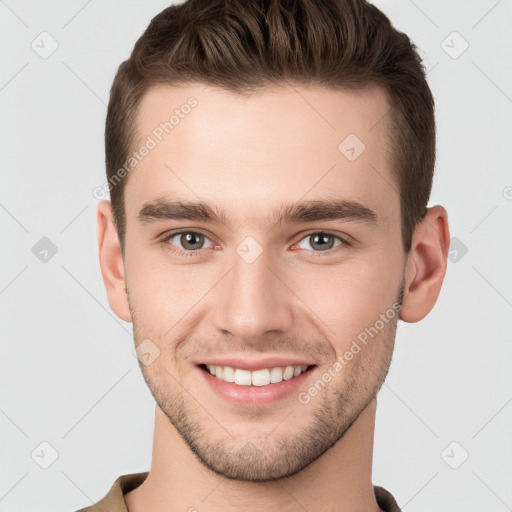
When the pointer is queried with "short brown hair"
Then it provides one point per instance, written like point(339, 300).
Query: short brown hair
point(245, 45)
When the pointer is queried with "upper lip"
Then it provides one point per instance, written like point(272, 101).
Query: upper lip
point(255, 364)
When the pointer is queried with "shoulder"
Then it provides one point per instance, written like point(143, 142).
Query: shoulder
point(113, 501)
point(385, 500)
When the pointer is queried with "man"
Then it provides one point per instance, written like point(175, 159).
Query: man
point(269, 164)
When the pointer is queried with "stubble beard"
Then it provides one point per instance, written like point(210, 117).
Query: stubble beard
point(272, 457)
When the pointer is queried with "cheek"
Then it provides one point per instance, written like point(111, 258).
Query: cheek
point(165, 299)
point(342, 299)
point(159, 289)
point(350, 297)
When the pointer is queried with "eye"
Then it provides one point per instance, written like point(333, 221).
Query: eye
point(322, 241)
point(190, 241)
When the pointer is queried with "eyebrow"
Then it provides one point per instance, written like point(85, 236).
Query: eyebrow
point(289, 213)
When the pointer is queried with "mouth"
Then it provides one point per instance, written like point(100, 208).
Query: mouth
point(263, 377)
point(255, 383)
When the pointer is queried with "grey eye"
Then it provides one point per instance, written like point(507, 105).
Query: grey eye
point(321, 241)
point(190, 240)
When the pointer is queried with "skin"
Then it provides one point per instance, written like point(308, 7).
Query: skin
point(247, 155)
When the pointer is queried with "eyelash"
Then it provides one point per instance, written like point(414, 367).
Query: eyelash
point(180, 252)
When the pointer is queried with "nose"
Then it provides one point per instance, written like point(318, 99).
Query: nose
point(253, 300)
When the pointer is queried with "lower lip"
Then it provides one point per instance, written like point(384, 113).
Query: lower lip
point(255, 395)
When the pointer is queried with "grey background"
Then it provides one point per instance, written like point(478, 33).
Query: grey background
point(68, 374)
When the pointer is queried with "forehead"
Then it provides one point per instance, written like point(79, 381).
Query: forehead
point(248, 153)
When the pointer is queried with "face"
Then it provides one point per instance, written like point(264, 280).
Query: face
point(294, 260)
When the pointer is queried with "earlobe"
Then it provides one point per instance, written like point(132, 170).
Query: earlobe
point(426, 265)
point(111, 262)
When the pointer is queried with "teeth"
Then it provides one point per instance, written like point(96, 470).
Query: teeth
point(229, 374)
point(242, 377)
point(261, 377)
point(276, 375)
point(288, 373)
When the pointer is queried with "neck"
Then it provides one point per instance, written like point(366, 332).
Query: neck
point(339, 480)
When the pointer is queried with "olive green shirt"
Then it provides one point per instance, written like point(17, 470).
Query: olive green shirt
point(114, 499)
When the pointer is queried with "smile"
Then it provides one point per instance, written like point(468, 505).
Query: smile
point(261, 377)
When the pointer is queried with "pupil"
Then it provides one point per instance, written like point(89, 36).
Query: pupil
point(190, 237)
point(322, 244)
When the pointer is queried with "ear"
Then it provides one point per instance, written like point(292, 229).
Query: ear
point(426, 265)
point(111, 262)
